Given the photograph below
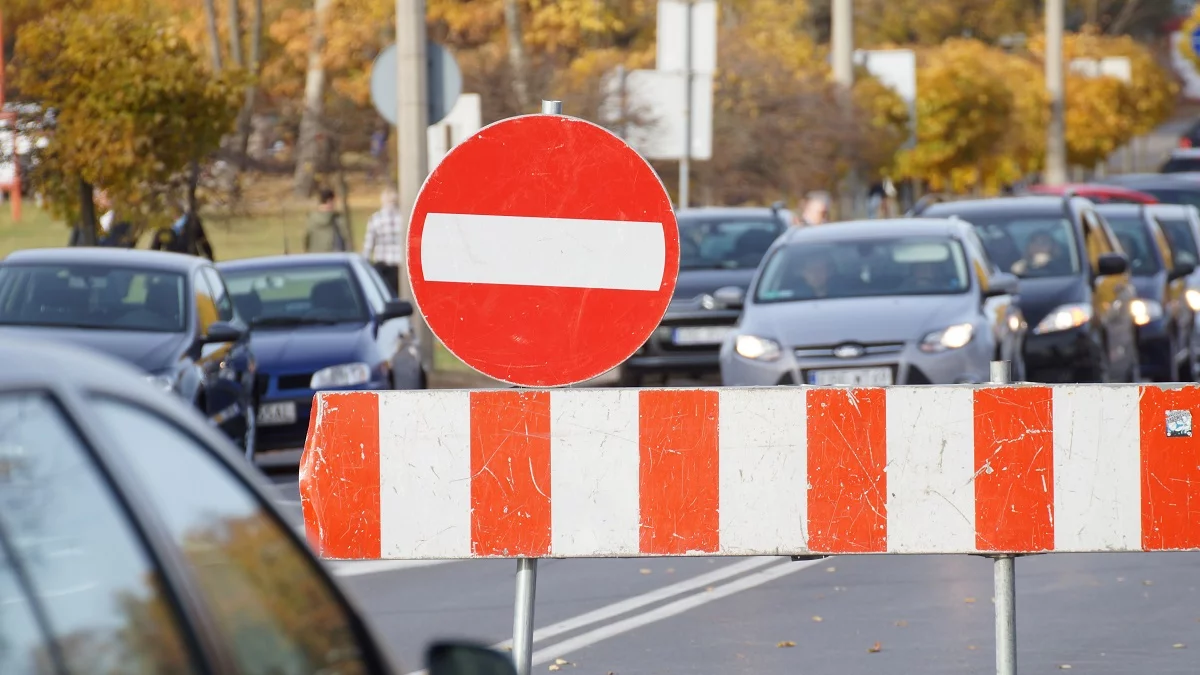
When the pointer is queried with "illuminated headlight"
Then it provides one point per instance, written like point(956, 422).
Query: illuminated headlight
point(1144, 311)
point(1065, 317)
point(345, 375)
point(756, 348)
point(954, 337)
point(708, 302)
point(1193, 299)
point(163, 382)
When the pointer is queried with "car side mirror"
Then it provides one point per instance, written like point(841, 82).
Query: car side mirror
point(461, 658)
point(222, 331)
point(732, 297)
point(396, 309)
point(1111, 264)
point(1183, 268)
point(1002, 283)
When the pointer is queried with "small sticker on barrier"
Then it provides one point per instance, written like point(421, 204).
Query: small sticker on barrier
point(1179, 423)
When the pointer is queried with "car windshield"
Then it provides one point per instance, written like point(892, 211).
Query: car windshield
point(290, 296)
point(95, 297)
point(864, 268)
point(733, 244)
point(1179, 234)
point(1028, 246)
point(1175, 196)
point(1136, 242)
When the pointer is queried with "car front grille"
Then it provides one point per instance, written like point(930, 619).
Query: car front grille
point(869, 349)
point(289, 382)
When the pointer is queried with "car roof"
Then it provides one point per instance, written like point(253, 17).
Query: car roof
point(1120, 209)
point(1017, 204)
point(1174, 209)
point(287, 260)
point(872, 229)
point(1154, 180)
point(99, 255)
point(716, 212)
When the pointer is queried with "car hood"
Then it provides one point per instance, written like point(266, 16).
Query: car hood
point(1151, 287)
point(694, 283)
point(309, 347)
point(1038, 297)
point(151, 352)
point(813, 323)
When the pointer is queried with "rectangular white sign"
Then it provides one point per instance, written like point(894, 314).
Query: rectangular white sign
point(672, 37)
point(647, 107)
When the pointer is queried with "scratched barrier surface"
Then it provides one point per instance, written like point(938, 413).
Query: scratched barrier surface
point(761, 471)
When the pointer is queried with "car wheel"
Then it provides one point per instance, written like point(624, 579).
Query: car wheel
point(250, 438)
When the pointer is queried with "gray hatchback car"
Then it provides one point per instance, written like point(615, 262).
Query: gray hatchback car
point(875, 303)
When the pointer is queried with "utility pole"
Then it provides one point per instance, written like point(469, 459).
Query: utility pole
point(842, 48)
point(1056, 144)
point(412, 114)
point(686, 159)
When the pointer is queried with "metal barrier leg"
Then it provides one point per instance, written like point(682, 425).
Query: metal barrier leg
point(1006, 614)
point(522, 650)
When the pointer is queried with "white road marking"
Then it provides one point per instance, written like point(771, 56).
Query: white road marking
point(639, 601)
point(562, 252)
point(353, 568)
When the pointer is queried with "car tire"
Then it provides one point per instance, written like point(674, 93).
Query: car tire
point(250, 436)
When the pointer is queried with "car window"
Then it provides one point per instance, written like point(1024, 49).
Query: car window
point(277, 613)
point(1029, 246)
point(737, 243)
point(1175, 196)
point(375, 295)
point(206, 304)
point(1179, 234)
point(220, 294)
point(92, 296)
point(388, 292)
point(100, 590)
point(864, 268)
point(1136, 242)
point(21, 638)
point(289, 296)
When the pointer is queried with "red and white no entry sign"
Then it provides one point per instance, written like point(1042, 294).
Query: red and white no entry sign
point(543, 251)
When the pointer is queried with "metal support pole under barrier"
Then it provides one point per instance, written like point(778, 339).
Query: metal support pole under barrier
point(1005, 578)
point(522, 648)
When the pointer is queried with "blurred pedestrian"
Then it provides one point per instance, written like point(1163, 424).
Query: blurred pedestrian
point(816, 208)
point(186, 235)
point(379, 152)
point(326, 231)
point(383, 244)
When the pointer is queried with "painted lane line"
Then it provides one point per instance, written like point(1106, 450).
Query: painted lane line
point(354, 568)
point(562, 252)
point(565, 647)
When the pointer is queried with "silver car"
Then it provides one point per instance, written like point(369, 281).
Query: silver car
point(875, 303)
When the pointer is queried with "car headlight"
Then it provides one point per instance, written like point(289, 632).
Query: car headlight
point(756, 348)
point(1193, 299)
point(166, 382)
point(345, 375)
point(1065, 317)
point(1144, 311)
point(954, 337)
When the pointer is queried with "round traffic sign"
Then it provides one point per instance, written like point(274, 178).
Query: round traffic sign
point(543, 251)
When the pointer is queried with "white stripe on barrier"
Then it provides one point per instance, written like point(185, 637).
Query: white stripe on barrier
point(523, 251)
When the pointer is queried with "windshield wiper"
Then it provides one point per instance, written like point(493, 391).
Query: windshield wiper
point(294, 321)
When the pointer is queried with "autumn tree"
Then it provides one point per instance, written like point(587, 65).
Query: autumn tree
point(135, 106)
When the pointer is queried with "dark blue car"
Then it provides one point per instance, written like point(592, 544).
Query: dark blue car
point(319, 322)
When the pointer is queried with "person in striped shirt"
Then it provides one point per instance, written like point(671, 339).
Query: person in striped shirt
point(383, 244)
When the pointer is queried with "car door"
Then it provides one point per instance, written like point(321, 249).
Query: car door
point(237, 369)
point(1111, 295)
point(998, 309)
point(394, 336)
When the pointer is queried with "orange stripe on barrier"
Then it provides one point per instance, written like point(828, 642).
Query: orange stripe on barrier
point(1170, 468)
point(1014, 469)
point(510, 473)
point(340, 476)
point(847, 452)
point(679, 476)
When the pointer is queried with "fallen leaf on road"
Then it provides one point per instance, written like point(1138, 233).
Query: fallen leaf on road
point(971, 647)
point(1065, 666)
point(555, 666)
point(562, 662)
point(786, 643)
point(1178, 645)
point(968, 600)
point(830, 569)
point(875, 648)
point(645, 570)
point(818, 619)
point(902, 623)
point(670, 570)
point(1147, 583)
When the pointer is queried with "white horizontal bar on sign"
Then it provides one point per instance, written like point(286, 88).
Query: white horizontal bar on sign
point(558, 252)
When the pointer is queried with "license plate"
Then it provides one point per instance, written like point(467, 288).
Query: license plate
point(701, 335)
point(274, 414)
point(857, 377)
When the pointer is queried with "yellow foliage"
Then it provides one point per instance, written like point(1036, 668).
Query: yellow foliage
point(1097, 119)
point(929, 23)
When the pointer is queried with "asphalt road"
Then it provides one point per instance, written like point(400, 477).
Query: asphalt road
point(1110, 614)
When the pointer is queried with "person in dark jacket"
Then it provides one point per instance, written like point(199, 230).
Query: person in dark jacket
point(326, 231)
point(186, 236)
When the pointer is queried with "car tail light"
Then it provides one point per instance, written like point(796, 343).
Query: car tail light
point(1185, 143)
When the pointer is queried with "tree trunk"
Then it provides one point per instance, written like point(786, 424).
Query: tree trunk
point(307, 150)
point(214, 36)
point(235, 33)
point(344, 188)
point(516, 54)
point(87, 215)
point(193, 181)
point(246, 117)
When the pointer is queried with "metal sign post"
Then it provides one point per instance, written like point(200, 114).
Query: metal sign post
point(1005, 578)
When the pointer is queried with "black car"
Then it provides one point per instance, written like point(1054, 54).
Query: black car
point(168, 314)
point(133, 539)
point(1075, 286)
point(719, 250)
point(1168, 188)
point(1164, 320)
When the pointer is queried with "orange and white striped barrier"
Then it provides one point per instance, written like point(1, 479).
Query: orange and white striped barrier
point(979, 469)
